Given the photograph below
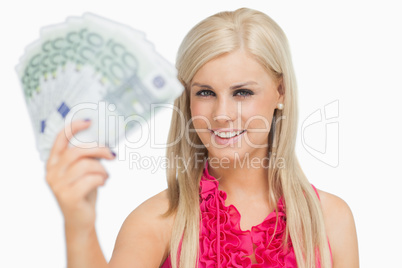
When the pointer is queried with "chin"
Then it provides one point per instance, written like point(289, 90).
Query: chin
point(226, 157)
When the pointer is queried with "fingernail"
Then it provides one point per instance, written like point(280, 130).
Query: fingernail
point(87, 119)
point(113, 153)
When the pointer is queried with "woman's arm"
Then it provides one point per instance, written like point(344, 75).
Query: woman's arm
point(341, 231)
point(74, 175)
point(143, 240)
point(83, 248)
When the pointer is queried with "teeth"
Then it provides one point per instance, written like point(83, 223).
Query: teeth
point(227, 134)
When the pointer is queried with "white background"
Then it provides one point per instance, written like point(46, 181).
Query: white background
point(347, 52)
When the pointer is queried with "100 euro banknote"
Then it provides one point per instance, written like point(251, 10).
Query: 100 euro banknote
point(88, 63)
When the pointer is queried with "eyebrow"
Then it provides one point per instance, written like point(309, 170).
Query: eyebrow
point(235, 86)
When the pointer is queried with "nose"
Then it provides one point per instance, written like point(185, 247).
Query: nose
point(224, 111)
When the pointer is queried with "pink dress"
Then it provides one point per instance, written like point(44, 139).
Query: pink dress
point(235, 245)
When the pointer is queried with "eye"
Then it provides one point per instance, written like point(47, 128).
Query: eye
point(205, 93)
point(244, 93)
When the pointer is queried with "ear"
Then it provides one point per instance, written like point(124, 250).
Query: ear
point(281, 91)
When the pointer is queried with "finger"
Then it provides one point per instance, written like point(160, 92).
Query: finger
point(62, 140)
point(85, 185)
point(82, 168)
point(75, 154)
point(55, 176)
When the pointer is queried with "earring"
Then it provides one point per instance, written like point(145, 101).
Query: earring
point(280, 106)
point(272, 130)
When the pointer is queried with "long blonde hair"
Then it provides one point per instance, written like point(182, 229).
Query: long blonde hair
point(259, 35)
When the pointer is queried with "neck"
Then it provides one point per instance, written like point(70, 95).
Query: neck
point(241, 180)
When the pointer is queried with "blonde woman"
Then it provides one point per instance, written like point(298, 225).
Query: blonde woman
point(237, 196)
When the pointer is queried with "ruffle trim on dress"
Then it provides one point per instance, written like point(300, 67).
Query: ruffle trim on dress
point(224, 244)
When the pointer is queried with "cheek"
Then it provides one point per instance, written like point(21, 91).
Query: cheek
point(199, 115)
point(257, 120)
point(195, 109)
point(256, 115)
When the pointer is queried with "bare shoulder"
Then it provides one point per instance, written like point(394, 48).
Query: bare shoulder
point(341, 230)
point(143, 240)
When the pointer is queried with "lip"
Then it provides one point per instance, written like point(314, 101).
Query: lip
point(226, 129)
point(225, 141)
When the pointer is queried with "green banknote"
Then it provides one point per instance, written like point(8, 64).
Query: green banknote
point(87, 64)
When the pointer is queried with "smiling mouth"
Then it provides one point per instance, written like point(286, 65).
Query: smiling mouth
point(227, 134)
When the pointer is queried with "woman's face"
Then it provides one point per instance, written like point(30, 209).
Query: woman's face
point(233, 95)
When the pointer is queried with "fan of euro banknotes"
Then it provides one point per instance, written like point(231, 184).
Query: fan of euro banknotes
point(93, 68)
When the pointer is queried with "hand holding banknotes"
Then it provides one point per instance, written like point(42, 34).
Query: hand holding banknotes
point(91, 67)
point(74, 174)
